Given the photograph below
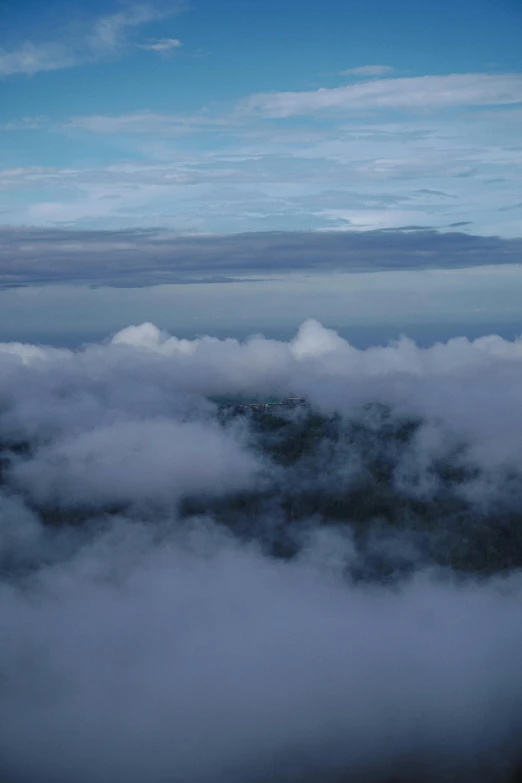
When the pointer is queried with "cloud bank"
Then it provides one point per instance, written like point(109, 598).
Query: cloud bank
point(195, 592)
point(133, 258)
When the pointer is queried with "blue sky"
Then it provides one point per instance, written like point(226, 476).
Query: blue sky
point(228, 117)
point(237, 116)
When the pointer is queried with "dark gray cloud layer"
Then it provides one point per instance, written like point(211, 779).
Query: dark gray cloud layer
point(135, 258)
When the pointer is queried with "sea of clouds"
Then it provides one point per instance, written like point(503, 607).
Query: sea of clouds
point(144, 645)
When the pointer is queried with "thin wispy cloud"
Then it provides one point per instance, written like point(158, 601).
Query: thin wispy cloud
point(30, 58)
point(162, 46)
point(368, 70)
point(25, 123)
point(153, 123)
point(418, 92)
point(220, 170)
point(107, 37)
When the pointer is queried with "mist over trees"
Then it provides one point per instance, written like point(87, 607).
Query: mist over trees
point(196, 590)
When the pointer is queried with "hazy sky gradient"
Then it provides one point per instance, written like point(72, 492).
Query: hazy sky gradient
point(366, 307)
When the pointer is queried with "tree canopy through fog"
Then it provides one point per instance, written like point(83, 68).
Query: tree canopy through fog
point(325, 591)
